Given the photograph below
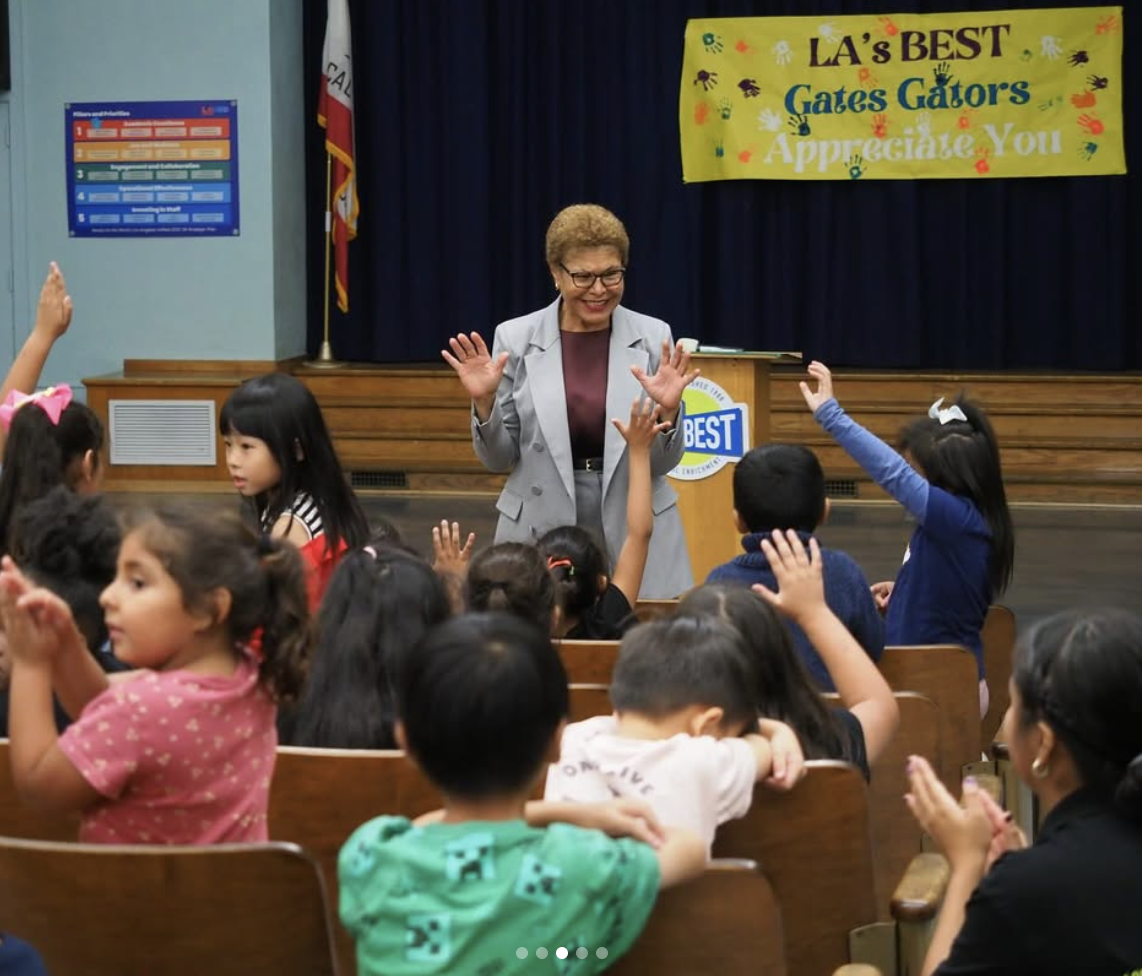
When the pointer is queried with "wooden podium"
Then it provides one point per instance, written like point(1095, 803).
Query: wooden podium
point(706, 504)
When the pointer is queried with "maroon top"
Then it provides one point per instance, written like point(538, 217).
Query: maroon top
point(585, 356)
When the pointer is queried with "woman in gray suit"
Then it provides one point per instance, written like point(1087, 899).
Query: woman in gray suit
point(542, 397)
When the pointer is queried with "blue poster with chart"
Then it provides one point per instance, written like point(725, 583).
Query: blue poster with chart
point(145, 169)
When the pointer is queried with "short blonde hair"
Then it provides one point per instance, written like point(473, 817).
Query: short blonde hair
point(585, 225)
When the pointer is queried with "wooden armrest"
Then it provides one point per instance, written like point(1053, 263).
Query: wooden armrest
point(856, 969)
point(731, 864)
point(999, 750)
point(917, 898)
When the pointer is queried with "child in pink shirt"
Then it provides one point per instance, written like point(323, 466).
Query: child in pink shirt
point(181, 752)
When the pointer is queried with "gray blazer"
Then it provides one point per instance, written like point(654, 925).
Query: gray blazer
point(527, 434)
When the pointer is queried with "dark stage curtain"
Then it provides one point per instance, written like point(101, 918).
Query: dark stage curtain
point(477, 120)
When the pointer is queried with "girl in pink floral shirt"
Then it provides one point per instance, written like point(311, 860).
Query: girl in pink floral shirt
point(181, 752)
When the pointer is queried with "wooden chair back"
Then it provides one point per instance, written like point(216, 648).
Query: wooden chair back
point(589, 701)
point(258, 909)
point(998, 636)
point(727, 921)
point(588, 662)
point(646, 610)
point(814, 844)
point(17, 820)
point(948, 675)
point(318, 797)
point(896, 836)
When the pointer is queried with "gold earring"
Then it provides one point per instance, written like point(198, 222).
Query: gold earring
point(1039, 769)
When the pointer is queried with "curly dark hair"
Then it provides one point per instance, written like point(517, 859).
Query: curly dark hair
point(68, 543)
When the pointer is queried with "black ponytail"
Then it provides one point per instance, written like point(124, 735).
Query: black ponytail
point(284, 618)
point(962, 457)
point(512, 577)
point(208, 550)
point(39, 455)
point(1080, 671)
point(576, 563)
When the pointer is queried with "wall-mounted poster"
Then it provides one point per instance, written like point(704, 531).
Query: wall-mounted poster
point(141, 169)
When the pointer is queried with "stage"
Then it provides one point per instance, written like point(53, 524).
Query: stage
point(1073, 438)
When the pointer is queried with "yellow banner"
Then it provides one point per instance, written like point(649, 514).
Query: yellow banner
point(903, 96)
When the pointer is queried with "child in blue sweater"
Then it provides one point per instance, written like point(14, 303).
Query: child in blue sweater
point(782, 486)
point(948, 478)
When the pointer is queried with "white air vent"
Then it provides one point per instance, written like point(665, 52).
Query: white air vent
point(163, 432)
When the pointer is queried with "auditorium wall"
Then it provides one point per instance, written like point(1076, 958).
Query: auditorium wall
point(239, 297)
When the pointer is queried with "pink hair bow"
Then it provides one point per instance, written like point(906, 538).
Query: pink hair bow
point(53, 401)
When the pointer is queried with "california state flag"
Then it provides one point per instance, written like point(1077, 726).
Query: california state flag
point(335, 115)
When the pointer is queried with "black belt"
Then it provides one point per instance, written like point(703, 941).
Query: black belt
point(587, 464)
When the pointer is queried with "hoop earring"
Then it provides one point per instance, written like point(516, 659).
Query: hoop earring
point(1039, 769)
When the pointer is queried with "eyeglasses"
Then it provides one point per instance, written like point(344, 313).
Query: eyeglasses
point(587, 279)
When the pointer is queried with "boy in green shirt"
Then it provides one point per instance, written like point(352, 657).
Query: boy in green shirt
point(494, 885)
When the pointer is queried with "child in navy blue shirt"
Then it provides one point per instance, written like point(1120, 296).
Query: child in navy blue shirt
point(961, 553)
point(782, 486)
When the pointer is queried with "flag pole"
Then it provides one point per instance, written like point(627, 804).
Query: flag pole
point(325, 358)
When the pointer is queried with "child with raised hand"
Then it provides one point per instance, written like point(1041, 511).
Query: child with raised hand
point(962, 551)
point(800, 595)
point(512, 577)
point(481, 706)
point(451, 554)
point(685, 735)
point(281, 459)
point(593, 604)
point(53, 316)
point(183, 752)
point(52, 440)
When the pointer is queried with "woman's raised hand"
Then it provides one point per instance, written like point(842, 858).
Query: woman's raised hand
point(479, 373)
point(670, 379)
point(820, 373)
point(1005, 835)
point(963, 831)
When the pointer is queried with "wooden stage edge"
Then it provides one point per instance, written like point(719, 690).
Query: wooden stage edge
point(1066, 438)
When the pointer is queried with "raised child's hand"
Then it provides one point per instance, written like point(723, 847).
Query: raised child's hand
point(449, 556)
point(644, 425)
point(819, 372)
point(36, 621)
point(800, 580)
point(12, 581)
point(53, 313)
